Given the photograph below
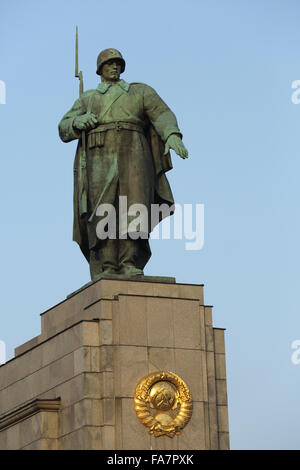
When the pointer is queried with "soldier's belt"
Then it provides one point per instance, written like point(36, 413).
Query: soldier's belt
point(118, 125)
point(96, 136)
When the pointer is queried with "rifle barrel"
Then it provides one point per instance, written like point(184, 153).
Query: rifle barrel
point(76, 53)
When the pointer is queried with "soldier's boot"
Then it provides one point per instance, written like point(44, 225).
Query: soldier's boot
point(128, 255)
point(108, 255)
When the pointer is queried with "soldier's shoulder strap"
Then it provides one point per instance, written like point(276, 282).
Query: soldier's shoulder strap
point(138, 83)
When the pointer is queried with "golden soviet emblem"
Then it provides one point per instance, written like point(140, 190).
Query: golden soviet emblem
point(163, 403)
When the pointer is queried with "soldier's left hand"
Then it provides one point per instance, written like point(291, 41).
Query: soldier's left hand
point(175, 143)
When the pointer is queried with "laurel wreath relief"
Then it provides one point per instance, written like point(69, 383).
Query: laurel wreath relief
point(142, 404)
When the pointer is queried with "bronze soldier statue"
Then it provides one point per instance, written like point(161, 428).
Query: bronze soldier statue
point(128, 131)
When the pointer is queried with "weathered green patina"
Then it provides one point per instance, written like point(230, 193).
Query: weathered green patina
point(129, 131)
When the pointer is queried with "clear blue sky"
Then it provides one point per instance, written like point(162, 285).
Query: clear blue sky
point(225, 68)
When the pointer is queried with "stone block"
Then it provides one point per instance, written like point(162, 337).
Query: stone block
point(85, 438)
point(106, 358)
point(209, 338)
point(106, 332)
point(134, 434)
point(220, 364)
point(219, 340)
point(108, 411)
point(193, 435)
point(221, 392)
point(87, 359)
point(71, 390)
point(210, 363)
point(56, 373)
point(95, 358)
point(207, 425)
point(3, 440)
point(73, 441)
point(130, 365)
point(12, 437)
point(190, 291)
point(49, 424)
point(160, 324)
point(81, 413)
point(224, 443)
point(211, 390)
point(189, 367)
point(106, 385)
point(204, 375)
point(131, 321)
point(108, 440)
point(67, 420)
point(101, 309)
point(161, 359)
point(90, 333)
point(222, 412)
point(110, 288)
point(49, 444)
point(36, 445)
point(30, 430)
point(165, 290)
point(92, 384)
point(213, 426)
point(118, 427)
point(202, 328)
point(82, 360)
point(137, 288)
point(13, 395)
point(33, 361)
point(42, 444)
point(186, 324)
point(164, 443)
point(86, 412)
point(61, 345)
point(93, 438)
point(208, 315)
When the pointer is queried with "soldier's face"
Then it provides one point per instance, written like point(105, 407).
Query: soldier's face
point(111, 70)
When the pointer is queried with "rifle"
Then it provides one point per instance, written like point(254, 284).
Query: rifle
point(78, 75)
point(82, 177)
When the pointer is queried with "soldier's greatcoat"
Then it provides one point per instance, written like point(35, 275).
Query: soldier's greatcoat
point(124, 154)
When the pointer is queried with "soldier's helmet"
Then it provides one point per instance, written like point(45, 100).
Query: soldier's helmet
point(107, 55)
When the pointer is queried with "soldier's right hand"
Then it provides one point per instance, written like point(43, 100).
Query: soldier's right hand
point(85, 122)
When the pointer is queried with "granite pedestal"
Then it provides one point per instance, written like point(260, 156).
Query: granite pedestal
point(72, 386)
